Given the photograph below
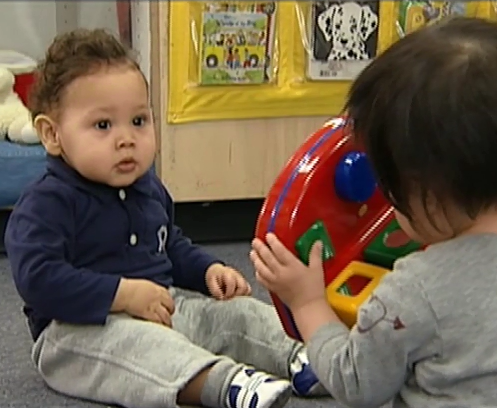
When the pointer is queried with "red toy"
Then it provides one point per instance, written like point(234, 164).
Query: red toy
point(327, 192)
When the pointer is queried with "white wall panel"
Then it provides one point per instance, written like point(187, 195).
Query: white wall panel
point(96, 14)
point(29, 26)
point(140, 33)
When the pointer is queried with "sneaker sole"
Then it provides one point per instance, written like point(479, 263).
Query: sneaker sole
point(282, 399)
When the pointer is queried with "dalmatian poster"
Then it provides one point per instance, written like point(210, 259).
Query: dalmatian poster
point(344, 38)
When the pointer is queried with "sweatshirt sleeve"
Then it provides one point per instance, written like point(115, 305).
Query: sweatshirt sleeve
point(367, 366)
point(190, 262)
point(38, 241)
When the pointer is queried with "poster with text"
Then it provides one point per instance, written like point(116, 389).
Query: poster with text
point(236, 43)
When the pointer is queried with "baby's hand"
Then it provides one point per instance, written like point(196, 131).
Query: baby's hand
point(225, 283)
point(144, 299)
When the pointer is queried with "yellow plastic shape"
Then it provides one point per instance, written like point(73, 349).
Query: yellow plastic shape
point(346, 306)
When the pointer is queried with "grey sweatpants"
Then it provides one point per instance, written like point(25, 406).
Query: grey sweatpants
point(138, 364)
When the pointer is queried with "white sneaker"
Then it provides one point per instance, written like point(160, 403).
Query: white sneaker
point(255, 389)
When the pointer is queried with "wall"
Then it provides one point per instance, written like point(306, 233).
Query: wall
point(140, 33)
point(29, 26)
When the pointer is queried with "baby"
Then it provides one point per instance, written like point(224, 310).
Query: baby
point(426, 112)
point(114, 292)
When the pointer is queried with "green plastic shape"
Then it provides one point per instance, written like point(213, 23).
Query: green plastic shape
point(386, 248)
point(317, 232)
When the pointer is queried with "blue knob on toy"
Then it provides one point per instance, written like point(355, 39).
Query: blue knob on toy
point(354, 178)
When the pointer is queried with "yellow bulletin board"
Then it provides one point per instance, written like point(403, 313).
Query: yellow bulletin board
point(487, 9)
point(287, 93)
point(295, 83)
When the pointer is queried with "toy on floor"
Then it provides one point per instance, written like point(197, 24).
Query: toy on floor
point(327, 192)
point(15, 118)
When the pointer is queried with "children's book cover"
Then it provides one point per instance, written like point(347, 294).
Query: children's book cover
point(344, 38)
point(416, 14)
point(236, 43)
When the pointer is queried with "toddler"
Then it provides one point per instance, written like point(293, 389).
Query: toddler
point(113, 292)
point(426, 113)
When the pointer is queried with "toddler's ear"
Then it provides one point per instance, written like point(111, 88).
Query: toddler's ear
point(46, 129)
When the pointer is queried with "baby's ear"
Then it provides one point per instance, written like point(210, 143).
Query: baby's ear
point(47, 132)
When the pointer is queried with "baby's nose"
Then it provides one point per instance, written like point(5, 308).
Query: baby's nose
point(126, 140)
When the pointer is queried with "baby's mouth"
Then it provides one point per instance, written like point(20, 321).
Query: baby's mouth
point(126, 165)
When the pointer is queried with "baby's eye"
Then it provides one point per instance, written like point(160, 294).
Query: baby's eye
point(102, 125)
point(139, 121)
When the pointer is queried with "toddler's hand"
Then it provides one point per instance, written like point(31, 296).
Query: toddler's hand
point(144, 299)
point(225, 283)
point(282, 273)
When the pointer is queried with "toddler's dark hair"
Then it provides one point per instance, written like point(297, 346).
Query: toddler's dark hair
point(72, 55)
point(426, 113)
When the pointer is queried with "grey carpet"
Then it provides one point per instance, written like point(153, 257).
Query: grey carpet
point(20, 386)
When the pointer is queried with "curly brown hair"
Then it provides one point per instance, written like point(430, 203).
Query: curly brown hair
point(71, 55)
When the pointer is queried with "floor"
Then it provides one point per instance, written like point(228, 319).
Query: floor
point(20, 387)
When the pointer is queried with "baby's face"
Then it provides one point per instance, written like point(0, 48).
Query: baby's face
point(105, 126)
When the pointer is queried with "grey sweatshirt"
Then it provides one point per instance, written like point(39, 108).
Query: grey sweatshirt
point(427, 337)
